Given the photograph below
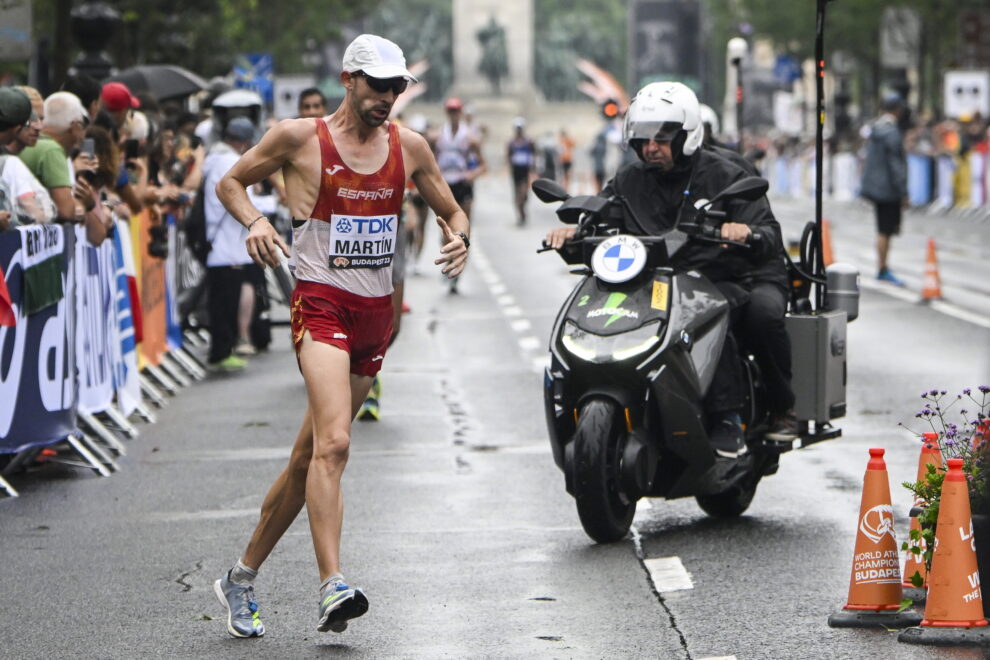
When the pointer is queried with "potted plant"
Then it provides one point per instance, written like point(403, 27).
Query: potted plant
point(962, 428)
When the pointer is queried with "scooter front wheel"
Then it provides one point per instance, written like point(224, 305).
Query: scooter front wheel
point(605, 511)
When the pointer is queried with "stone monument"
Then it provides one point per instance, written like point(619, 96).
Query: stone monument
point(493, 50)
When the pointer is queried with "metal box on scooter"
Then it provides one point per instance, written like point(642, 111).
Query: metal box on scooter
point(818, 365)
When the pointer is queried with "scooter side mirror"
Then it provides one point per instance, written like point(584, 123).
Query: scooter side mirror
point(548, 191)
point(751, 188)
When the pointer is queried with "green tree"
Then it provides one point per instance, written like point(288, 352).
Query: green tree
point(205, 37)
point(570, 29)
point(424, 31)
point(853, 27)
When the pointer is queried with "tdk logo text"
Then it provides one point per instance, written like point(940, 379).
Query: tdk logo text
point(374, 225)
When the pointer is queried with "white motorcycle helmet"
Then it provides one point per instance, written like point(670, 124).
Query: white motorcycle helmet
point(710, 117)
point(665, 111)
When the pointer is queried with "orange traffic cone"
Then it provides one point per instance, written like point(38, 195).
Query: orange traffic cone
point(875, 583)
point(915, 563)
point(931, 286)
point(827, 258)
point(954, 612)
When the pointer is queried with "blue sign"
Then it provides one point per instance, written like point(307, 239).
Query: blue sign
point(786, 70)
point(256, 71)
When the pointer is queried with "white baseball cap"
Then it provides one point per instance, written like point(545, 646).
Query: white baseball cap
point(377, 57)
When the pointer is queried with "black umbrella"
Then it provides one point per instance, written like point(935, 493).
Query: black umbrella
point(163, 81)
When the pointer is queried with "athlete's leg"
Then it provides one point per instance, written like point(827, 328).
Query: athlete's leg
point(245, 311)
point(334, 398)
point(285, 499)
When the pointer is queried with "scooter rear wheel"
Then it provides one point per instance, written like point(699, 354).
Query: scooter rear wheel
point(605, 512)
point(729, 504)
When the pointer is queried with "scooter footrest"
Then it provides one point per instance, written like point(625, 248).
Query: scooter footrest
point(775, 446)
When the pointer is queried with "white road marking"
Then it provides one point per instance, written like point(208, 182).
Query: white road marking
point(668, 574)
point(540, 364)
point(505, 300)
point(497, 289)
point(940, 306)
point(962, 314)
point(521, 325)
point(529, 343)
point(643, 508)
point(513, 311)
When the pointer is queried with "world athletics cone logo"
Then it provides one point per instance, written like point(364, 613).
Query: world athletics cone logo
point(954, 611)
point(915, 563)
point(875, 582)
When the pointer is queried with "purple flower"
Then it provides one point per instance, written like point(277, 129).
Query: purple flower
point(933, 392)
point(985, 389)
point(967, 391)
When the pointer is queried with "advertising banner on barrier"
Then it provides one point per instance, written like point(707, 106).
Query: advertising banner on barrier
point(151, 286)
point(95, 323)
point(37, 353)
point(125, 364)
point(173, 324)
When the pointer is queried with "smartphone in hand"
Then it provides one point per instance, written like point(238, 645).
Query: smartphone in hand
point(88, 147)
point(131, 149)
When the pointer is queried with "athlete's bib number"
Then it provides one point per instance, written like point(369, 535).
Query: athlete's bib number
point(358, 241)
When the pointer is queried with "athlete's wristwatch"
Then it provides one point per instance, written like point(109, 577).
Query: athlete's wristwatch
point(467, 241)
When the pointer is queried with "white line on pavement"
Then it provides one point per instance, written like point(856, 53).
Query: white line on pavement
point(529, 343)
point(513, 311)
point(505, 300)
point(521, 325)
point(540, 363)
point(939, 306)
point(959, 313)
point(668, 574)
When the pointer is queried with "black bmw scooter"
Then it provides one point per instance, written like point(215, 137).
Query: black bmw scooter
point(633, 352)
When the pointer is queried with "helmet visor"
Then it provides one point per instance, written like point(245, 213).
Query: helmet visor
point(661, 131)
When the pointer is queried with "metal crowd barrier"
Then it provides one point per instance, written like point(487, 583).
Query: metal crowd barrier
point(90, 338)
point(936, 183)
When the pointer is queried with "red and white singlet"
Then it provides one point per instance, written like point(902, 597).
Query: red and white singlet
point(350, 236)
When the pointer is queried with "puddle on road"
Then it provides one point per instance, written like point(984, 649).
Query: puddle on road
point(842, 482)
point(457, 414)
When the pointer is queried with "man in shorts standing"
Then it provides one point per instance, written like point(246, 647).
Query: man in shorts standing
point(885, 179)
point(344, 178)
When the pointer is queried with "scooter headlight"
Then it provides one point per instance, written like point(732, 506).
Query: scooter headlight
point(615, 348)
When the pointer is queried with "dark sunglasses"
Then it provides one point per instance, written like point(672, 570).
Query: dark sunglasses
point(382, 85)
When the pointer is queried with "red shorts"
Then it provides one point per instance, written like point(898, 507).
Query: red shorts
point(359, 325)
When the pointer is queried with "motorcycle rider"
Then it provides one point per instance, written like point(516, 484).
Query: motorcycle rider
point(762, 326)
point(672, 175)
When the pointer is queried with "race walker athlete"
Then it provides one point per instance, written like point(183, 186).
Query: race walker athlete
point(344, 179)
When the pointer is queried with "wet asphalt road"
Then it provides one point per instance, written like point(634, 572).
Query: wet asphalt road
point(457, 523)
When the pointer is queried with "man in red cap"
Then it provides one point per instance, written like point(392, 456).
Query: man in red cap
point(118, 101)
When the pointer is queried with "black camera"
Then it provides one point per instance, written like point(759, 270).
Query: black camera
point(158, 245)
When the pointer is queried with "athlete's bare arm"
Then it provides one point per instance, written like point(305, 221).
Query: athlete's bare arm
point(279, 147)
point(422, 167)
point(475, 148)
